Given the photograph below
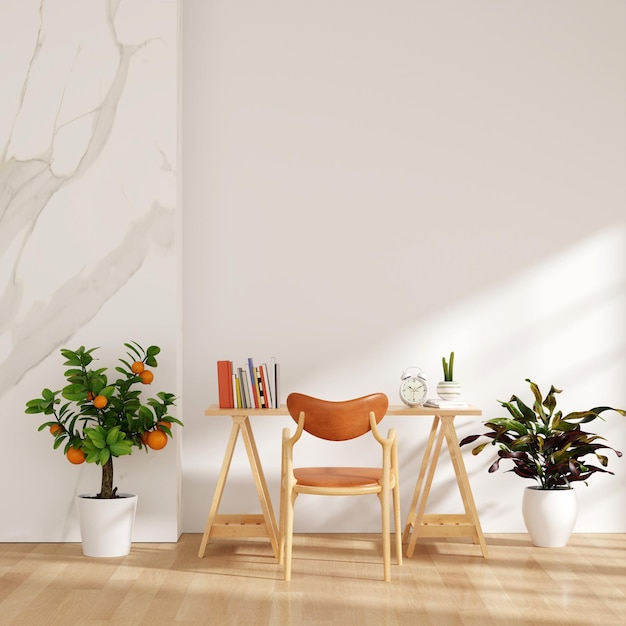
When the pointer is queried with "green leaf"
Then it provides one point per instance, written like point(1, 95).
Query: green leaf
point(538, 403)
point(122, 448)
point(71, 358)
point(124, 371)
point(96, 436)
point(107, 392)
point(153, 350)
point(75, 392)
point(73, 373)
point(73, 419)
point(93, 456)
point(528, 414)
point(550, 400)
point(134, 350)
point(105, 455)
point(509, 424)
point(603, 459)
point(59, 439)
point(145, 415)
point(48, 395)
point(168, 398)
point(478, 449)
point(512, 409)
point(113, 435)
point(526, 441)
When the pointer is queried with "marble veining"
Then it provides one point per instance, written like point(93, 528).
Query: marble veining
point(87, 186)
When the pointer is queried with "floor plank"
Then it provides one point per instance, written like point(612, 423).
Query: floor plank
point(336, 579)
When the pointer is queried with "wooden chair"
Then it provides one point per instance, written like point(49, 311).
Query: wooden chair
point(340, 421)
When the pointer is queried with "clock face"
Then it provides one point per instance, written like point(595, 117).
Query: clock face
point(413, 390)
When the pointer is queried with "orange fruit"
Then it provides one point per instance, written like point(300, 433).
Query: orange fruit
point(146, 377)
point(157, 439)
point(166, 424)
point(137, 367)
point(144, 436)
point(75, 456)
point(100, 402)
point(55, 428)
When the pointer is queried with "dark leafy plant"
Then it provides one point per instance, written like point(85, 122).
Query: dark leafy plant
point(543, 444)
point(104, 419)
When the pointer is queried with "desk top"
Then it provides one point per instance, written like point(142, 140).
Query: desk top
point(394, 409)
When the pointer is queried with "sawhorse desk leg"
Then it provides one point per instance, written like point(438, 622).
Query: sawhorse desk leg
point(442, 525)
point(241, 525)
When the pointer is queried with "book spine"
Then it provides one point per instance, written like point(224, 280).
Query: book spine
point(271, 374)
point(267, 386)
point(260, 387)
point(234, 388)
point(253, 382)
point(242, 399)
point(249, 389)
point(224, 387)
point(277, 383)
point(242, 389)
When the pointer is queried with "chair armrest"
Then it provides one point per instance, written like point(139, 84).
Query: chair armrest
point(391, 435)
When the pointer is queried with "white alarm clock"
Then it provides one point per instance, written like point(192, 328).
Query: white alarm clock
point(413, 388)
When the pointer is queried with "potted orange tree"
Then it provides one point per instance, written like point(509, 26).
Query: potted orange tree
point(94, 419)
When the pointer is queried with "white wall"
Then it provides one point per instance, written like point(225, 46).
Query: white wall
point(366, 186)
point(87, 239)
point(370, 185)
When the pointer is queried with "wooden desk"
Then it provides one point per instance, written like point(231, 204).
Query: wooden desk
point(242, 525)
point(443, 524)
point(418, 523)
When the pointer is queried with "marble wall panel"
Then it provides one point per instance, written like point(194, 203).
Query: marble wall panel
point(87, 236)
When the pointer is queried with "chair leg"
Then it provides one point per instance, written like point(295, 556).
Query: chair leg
point(284, 486)
point(290, 499)
point(386, 533)
point(397, 523)
point(281, 525)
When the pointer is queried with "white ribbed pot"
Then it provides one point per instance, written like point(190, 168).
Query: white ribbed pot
point(549, 515)
point(449, 390)
point(106, 526)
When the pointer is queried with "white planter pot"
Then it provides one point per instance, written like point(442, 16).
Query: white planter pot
point(549, 515)
point(106, 526)
point(448, 390)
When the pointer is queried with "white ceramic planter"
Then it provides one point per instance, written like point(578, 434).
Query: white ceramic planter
point(549, 515)
point(106, 526)
point(449, 390)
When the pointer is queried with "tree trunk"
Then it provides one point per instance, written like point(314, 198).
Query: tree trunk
point(106, 490)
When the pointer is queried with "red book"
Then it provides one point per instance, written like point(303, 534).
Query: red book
point(264, 388)
point(225, 384)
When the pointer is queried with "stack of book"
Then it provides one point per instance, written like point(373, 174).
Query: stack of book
point(250, 386)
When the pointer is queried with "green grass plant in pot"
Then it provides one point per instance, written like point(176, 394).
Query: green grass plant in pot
point(552, 449)
point(95, 418)
point(448, 388)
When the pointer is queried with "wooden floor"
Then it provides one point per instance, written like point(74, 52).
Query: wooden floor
point(337, 579)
